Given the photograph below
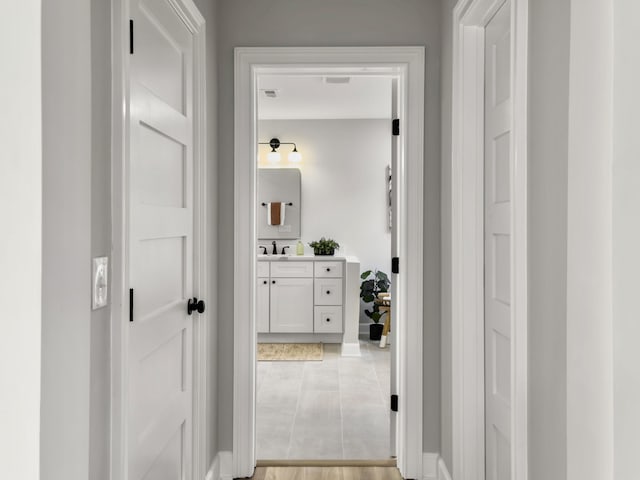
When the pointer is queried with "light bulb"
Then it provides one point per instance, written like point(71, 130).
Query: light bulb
point(273, 156)
point(295, 156)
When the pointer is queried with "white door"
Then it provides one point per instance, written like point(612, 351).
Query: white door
point(497, 238)
point(394, 198)
point(160, 244)
point(291, 305)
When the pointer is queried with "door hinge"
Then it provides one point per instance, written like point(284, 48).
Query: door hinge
point(131, 304)
point(131, 37)
point(395, 127)
point(394, 403)
point(395, 265)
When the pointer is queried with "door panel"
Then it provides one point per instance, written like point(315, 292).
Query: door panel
point(497, 238)
point(160, 244)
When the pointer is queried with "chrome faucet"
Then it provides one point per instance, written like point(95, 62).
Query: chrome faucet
point(275, 249)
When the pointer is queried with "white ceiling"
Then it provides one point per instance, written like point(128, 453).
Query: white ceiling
point(311, 97)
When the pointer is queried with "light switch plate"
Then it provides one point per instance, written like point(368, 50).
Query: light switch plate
point(100, 282)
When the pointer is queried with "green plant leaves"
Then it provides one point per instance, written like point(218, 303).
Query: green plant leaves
point(369, 290)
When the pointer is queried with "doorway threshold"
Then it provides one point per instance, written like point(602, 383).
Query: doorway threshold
point(390, 462)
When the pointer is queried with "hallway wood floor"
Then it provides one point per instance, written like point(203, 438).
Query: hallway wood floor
point(326, 473)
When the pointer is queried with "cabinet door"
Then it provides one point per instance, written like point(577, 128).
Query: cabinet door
point(291, 305)
point(262, 305)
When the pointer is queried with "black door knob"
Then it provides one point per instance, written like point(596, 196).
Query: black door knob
point(195, 305)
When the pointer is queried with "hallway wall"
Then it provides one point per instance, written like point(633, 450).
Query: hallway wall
point(66, 236)
point(21, 243)
point(332, 23)
point(626, 238)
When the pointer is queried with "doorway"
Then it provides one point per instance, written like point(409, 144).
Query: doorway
point(160, 255)
point(407, 64)
point(323, 391)
point(489, 240)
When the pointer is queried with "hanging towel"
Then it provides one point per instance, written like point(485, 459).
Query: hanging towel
point(275, 213)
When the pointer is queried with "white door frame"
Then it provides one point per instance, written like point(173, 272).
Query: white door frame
point(192, 18)
point(467, 188)
point(408, 64)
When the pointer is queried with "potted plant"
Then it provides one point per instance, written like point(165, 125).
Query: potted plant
point(374, 282)
point(324, 246)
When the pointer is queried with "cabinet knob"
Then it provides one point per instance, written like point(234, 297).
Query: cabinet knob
point(273, 281)
point(264, 281)
point(328, 320)
point(328, 269)
point(328, 292)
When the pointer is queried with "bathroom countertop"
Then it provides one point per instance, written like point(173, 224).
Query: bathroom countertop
point(293, 258)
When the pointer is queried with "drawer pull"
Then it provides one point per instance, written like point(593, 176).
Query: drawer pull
point(328, 269)
point(273, 281)
point(328, 292)
point(328, 320)
point(265, 282)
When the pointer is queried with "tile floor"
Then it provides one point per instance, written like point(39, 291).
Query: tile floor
point(334, 409)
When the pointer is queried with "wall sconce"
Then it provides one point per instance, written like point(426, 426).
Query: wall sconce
point(274, 155)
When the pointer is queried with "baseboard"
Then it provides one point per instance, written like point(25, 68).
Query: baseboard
point(351, 349)
point(214, 469)
point(443, 473)
point(434, 468)
point(221, 467)
point(430, 466)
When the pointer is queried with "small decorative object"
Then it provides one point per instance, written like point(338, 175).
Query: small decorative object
point(324, 246)
point(299, 248)
point(369, 290)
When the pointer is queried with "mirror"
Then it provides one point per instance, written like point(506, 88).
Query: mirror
point(278, 186)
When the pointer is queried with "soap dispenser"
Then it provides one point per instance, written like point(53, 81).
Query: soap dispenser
point(299, 248)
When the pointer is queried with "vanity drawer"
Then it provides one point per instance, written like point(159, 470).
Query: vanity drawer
point(291, 269)
point(328, 269)
point(327, 319)
point(328, 291)
point(263, 269)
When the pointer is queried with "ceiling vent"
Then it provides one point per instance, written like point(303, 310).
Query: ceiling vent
point(270, 93)
point(337, 80)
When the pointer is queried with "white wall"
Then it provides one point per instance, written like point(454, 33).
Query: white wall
point(549, 29)
point(331, 23)
point(66, 292)
point(626, 239)
point(589, 307)
point(20, 252)
point(100, 334)
point(344, 188)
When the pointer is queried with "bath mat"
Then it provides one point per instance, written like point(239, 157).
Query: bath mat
point(275, 352)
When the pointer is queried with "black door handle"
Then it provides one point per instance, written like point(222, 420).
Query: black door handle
point(195, 304)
